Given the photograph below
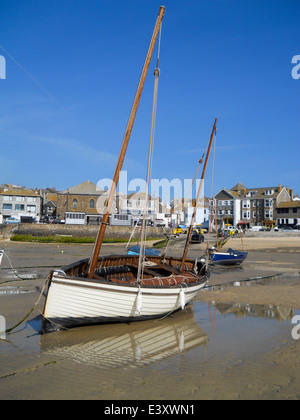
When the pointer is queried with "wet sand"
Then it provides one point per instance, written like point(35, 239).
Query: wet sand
point(234, 341)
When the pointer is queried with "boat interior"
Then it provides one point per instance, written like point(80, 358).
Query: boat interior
point(155, 270)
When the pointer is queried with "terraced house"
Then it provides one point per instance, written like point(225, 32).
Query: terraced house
point(246, 207)
point(19, 202)
point(288, 214)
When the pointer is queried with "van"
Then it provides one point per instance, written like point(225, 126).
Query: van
point(256, 228)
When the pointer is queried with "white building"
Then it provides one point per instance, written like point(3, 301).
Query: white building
point(20, 202)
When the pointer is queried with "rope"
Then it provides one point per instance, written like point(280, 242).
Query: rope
point(149, 166)
point(32, 309)
point(13, 270)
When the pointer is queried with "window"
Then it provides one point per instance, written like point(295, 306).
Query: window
point(31, 208)
point(92, 204)
point(269, 202)
point(269, 214)
point(246, 214)
point(7, 198)
point(20, 207)
point(20, 199)
point(246, 204)
point(75, 203)
point(7, 207)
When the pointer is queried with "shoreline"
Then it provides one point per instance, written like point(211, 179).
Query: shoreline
point(247, 353)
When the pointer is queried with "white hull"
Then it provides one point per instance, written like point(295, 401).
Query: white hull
point(73, 302)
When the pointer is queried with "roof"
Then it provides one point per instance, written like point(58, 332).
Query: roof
point(87, 187)
point(289, 204)
point(239, 187)
point(20, 192)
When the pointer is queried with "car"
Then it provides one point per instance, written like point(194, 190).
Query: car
point(11, 221)
point(197, 238)
point(230, 230)
point(177, 231)
point(256, 228)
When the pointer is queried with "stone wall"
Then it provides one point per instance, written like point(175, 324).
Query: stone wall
point(123, 232)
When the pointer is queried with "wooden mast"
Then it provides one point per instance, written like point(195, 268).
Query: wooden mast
point(127, 134)
point(198, 199)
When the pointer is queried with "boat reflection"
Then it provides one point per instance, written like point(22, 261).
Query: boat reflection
point(280, 313)
point(125, 345)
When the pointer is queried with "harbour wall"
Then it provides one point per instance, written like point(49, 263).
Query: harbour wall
point(79, 231)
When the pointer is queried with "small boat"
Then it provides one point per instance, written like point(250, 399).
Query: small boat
point(128, 287)
point(231, 257)
point(114, 295)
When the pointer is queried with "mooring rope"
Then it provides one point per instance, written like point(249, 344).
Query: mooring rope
point(35, 306)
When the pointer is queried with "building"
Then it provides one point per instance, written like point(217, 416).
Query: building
point(246, 207)
point(20, 202)
point(135, 203)
point(202, 213)
point(288, 214)
point(83, 204)
point(49, 203)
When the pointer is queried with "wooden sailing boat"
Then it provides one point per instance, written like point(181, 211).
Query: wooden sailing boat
point(122, 288)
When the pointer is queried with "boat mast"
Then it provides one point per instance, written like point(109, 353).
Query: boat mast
point(126, 138)
point(198, 198)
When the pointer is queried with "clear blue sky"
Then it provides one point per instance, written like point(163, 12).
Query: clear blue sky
point(72, 68)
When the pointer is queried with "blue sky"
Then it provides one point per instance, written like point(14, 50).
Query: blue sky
point(72, 68)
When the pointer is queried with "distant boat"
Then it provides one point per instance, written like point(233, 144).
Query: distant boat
point(231, 257)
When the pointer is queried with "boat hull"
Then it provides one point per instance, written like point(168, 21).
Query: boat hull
point(228, 258)
point(74, 301)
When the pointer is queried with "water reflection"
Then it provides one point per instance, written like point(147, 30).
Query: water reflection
point(243, 283)
point(240, 310)
point(135, 344)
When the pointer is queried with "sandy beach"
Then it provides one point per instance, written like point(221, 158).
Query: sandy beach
point(234, 341)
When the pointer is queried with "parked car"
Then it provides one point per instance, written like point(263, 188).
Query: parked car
point(159, 223)
point(197, 238)
point(177, 231)
point(230, 230)
point(256, 228)
point(11, 221)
